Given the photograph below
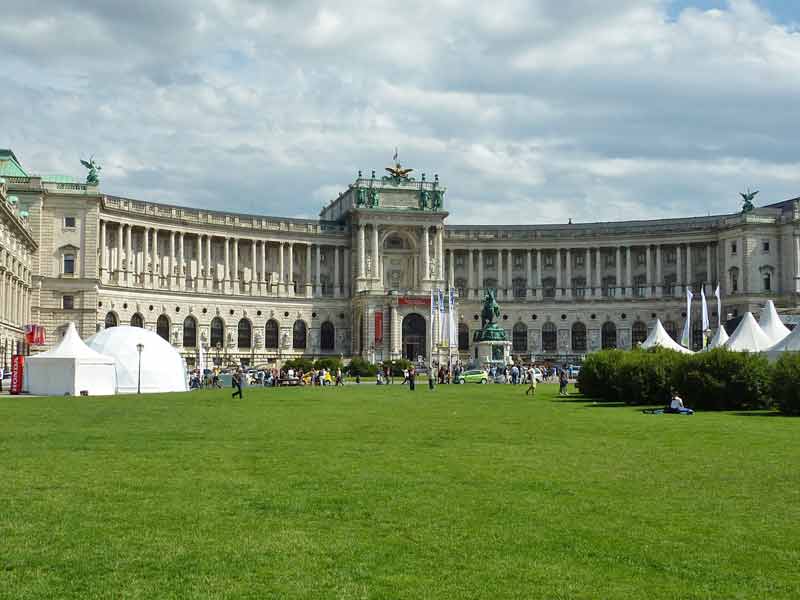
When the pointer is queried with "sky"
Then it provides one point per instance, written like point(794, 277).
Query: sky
point(529, 111)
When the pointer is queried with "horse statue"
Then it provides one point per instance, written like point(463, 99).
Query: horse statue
point(490, 310)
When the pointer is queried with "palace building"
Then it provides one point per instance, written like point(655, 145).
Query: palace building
point(257, 289)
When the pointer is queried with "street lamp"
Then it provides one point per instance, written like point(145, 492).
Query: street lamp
point(139, 348)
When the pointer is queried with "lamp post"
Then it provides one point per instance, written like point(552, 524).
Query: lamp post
point(139, 348)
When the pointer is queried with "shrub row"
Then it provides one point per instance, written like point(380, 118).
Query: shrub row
point(715, 380)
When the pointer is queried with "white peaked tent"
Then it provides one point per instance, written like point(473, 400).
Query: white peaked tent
point(748, 337)
point(70, 368)
point(719, 339)
point(162, 368)
point(791, 343)
point(659, 337)
point(771, 323)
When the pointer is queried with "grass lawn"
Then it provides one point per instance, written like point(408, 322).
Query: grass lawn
point(375, 492)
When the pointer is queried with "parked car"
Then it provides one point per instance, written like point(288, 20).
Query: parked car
point(474, 376)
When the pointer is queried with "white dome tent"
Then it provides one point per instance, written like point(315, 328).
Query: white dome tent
point(660, 338)
point(771, 323)
point(719, 339)
point(163, 369)
point(71, 368)
point(748, 337)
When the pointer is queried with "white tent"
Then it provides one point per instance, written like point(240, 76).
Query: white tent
point(771, 323)
point(70, 368)
point(748, 337)
point(719, 339)
point(162, 368)
point(659, 337)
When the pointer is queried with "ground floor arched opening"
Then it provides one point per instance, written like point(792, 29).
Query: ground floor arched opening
point(414, 337)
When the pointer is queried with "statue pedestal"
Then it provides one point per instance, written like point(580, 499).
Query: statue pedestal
point(494, 353)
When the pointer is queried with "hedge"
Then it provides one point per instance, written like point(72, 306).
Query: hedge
point(397, 366)
point(716, 380)
point(786, 383)
point(359, 366)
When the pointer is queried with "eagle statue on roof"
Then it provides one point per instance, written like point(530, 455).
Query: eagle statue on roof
point(397, 171)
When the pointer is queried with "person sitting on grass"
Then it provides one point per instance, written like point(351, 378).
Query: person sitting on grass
point(676, 405)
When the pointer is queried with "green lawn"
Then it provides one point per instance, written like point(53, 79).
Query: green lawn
point(376, 492)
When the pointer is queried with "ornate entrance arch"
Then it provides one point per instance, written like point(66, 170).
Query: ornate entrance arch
point(415, 332)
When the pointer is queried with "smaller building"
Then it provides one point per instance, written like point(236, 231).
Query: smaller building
point(17, 249)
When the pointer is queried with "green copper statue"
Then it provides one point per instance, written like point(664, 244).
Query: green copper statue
point(423, 200)
point(490, 330)
point(748, 200)
point(361, 197)
point(373, 198)
point(92, 177)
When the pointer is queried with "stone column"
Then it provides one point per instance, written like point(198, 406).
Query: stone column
point(648, 277)
point(318, 273)
point(281, 271)
point(146, 258)
point(199, 251)
point(539, 291)
point(598, 275)
point(709, 274)
point(171, 282)
point(309, 290)
point(559, 282)
point(528, 274)
point(395, 334)
point(501, 282)
point(226, 274)
point(207, 278)
point(290, 258)
point(451, 279)
point(426, 259)
point(376, 261)
point(347, 274)
point(480, 274)
point(102, 249)
point(659, 273)
point(628, 272)
point(440, 252)
point(264, 286)
point(155, 266)
point(568, 286)
point(689, 277)
point(470, 274)
point(235, 278)
point(587, 260)
point(619, 284)
point(337, 277)
point(128, 252)
point(678, 272)
point(181, 275)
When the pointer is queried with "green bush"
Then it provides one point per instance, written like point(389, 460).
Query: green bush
point(331, 363)
point(786, 383)
point(645, 377)
point(299, 364)
point(359, 366)
point(724, 380)
point(397, 366)
point(598, 374)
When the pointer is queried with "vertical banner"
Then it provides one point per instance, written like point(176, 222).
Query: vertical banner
point(17, 367)
point(686, 338)
point(30, 334)
point(378, 326)
point(433, 328)
point(452, 319)
point(719, 307)
point(41, 337)
point(442, 319)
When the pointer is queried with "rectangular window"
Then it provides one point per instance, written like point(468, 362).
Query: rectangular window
point(69, 222)
point(69, 264)
point(517, 260)
point(611, 260)
point(641, 258)
point(548, 260)
point(459, 260)
point(733, 247)
point(67, 302)
point(489, 261)
point(579, 260)
point(670, 257)
point(765, 246)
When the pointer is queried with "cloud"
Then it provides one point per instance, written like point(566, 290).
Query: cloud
point(530, 111)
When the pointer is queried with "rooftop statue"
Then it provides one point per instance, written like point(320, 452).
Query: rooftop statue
point(94, 169)
point(748, 200)
point(397, 172)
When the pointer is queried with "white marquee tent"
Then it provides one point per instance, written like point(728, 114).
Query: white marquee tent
point(70, 368)
point(771, 323)
point(791, 343)
point(163, 369)
point(659, 337)
point(748, 337)
point(719, 339)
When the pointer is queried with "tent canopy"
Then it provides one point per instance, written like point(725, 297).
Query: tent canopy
point(659, 337)
point(70, 368)
point(748, 337)
point(719, 339)
point(771, 323)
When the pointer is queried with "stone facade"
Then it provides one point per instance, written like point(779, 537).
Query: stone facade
point(226, 287)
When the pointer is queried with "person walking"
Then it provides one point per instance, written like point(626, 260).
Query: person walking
point(412, 375)
point(339, 380)
point(531, 382)
point(237, 384)
point(563, 381)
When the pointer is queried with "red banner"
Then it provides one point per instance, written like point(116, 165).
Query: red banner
point(34, 335)
point(414, 301)
point(378, 326)
point(17, 367)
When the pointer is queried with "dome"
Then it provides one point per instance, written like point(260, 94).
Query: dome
point(162, 366)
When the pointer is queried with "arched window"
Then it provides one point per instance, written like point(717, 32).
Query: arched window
point(578, 337)
point(271, 334)
point(520, 338)
point(463, 337)
point(609, 335)
point(245, 331)
point(189, 332)
point(299, 335)
point(217, 333)
point(638, 333)
point(137, 320)
point(111, 319)
point(327, 337)
point(162, 327)
point(549, 341)
point(671, 329)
